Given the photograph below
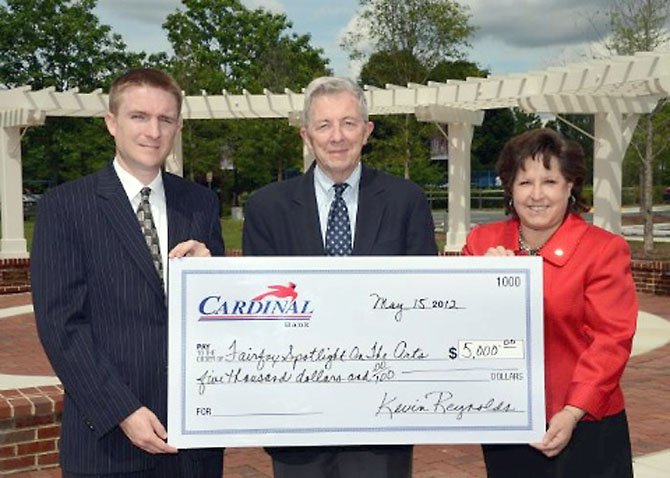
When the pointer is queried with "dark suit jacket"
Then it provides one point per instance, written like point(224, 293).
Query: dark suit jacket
point(393, 218)
point(101, 310)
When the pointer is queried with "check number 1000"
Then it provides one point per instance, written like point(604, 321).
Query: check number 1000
point(508, 281)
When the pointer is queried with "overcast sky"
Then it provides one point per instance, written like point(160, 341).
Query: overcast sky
point(514, 36)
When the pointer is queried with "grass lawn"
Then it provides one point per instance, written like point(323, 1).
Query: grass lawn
point(232, 234)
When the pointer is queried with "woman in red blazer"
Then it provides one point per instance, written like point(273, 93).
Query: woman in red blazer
point(590, 311)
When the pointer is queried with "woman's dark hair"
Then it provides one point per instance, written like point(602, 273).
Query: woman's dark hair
point(541, 145)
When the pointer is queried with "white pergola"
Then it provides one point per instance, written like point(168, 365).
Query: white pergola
point(615, 90)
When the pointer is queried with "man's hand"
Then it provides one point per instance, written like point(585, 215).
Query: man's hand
point(190, 248)
point(145, 431)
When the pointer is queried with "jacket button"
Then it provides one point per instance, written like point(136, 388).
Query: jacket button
point(559, 252)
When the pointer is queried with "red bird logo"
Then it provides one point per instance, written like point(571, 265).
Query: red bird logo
point(279, 291)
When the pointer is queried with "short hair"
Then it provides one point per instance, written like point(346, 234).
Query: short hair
point(330, 85)
point(542, 144)
point(143, 77)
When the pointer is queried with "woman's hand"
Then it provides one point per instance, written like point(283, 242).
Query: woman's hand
point(560, 431)
point(499, 251)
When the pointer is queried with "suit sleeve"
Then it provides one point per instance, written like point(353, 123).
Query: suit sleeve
point(214, 242)
point(256, 237)
point(421, 229)
point(469, 248)
point(610, 318)
point(60, 296)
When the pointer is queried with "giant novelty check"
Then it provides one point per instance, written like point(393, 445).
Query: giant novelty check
point(355, 350)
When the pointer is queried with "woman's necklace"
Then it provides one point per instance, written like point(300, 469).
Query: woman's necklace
point(523, 245)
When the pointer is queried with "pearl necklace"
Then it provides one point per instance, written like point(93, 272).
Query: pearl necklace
point(525, 247)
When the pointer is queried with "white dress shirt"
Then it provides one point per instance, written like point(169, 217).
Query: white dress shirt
point(132, 186)
point(325, 194)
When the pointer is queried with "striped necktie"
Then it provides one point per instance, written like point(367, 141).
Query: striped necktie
point(149, 232)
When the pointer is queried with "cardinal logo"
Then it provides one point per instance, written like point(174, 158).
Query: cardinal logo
point(277, 302)
point(279, 291)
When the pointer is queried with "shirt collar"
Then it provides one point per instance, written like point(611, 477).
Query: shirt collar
point(325, 184)
point(132, 186)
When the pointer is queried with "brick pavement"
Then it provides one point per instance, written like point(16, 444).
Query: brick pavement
point(646, 384)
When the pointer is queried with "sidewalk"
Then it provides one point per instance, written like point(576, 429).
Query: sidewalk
point(646, 384)
point(630, 232)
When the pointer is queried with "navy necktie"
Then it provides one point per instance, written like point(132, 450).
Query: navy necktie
point(149, 232)
point(338, 231)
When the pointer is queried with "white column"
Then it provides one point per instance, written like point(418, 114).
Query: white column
point(458, 223)
point(175, 161)
point(613, 133)
point(13, 243)
point(461, 126)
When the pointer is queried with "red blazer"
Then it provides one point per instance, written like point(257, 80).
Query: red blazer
point(590, 311)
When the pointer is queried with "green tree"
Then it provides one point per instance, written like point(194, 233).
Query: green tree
point(57, 43)
point(487, 142)
point(662, 160)
point(524, 121)
point(579, 128)
point(396, 68)
point(432, 31)
point(455, 70)
point(60, 44)
point(398, 137)
point(639, 25)
point(222, 46)
point(410, 40)
point(498, 127)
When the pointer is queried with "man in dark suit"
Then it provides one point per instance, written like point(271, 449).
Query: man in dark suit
point(339, 207)
point(98, 282)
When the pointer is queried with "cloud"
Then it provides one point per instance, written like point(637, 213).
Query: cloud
point(540, 23)
point(273, 6)
point(145, 11)
point(155, 11)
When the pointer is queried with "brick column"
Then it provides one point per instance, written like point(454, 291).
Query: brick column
point(29, 428)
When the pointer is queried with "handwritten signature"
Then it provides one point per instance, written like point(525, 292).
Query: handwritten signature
point(438, 402)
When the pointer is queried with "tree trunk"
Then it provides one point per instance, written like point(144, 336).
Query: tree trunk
point(280, 170)
point(648, 188)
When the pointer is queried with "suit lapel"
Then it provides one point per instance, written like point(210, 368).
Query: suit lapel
point(304, 217)
point(179, 217)
point(123, 222)
point(371, 207)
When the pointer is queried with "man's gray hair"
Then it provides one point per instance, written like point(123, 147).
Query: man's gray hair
point(330, 85)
